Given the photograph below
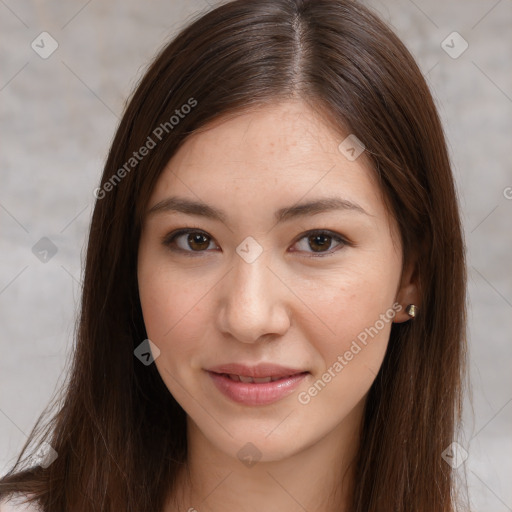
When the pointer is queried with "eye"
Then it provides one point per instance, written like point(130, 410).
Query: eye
point(188, 240)
point(320, 242)
point(192, 241)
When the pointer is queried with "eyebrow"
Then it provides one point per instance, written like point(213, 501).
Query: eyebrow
point(191, 207)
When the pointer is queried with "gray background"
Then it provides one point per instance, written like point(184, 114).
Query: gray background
point(58, 117)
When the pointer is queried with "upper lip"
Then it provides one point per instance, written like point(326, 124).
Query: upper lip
point(257, 371)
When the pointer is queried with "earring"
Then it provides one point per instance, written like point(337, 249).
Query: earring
point(411, 310)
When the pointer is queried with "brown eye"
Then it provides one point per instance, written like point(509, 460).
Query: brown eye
point(320, 242)
point(188, 240)
point(193, 242)
point(198, 241)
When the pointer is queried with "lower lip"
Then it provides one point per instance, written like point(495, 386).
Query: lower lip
point(252, 393)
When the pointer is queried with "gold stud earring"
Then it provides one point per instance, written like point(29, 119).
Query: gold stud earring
point(411, 310)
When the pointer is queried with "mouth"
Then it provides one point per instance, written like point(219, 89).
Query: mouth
point(257, 380)
point(259, 371)
point(258, 385)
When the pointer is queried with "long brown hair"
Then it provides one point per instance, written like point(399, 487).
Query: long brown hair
point(119, 434)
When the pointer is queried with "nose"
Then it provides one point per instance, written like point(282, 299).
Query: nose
point(253, 301)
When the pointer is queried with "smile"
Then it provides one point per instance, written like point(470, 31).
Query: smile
point(256, 391)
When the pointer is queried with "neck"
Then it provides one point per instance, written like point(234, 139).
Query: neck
point(318, 478)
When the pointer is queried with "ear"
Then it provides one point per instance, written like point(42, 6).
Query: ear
point(408, 291)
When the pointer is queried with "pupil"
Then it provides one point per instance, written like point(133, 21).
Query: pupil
point(199, 239)
point(315, 239)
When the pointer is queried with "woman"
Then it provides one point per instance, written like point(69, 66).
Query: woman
point(273, 312)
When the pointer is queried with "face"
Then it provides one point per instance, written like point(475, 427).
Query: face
point(256, 277)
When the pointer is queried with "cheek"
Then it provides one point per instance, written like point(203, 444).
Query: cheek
point(349, 356)
point(174, 309)
point(174, 320)
point(353, 313)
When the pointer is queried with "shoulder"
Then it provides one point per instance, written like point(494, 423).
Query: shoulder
point(16, 503)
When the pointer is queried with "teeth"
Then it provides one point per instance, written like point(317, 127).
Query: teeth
point(259, 380)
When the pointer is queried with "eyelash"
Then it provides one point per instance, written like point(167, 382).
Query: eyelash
point(169, 239)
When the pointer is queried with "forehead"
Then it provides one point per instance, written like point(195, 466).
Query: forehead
point(277, 154)
point(287, 129)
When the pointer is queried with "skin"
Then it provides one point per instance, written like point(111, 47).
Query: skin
point(291, 305)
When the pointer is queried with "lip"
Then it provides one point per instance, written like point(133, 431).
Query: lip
point(258, 371)
point(255, 393)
